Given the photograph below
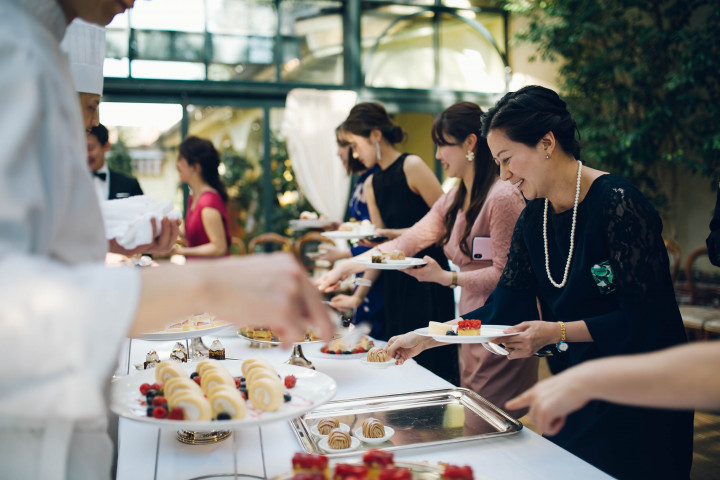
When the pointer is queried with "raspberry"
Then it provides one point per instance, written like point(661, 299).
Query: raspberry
point(157, 386)
point(290, 381)
point(237, 383)
point(159, 412)
point(144, 388)
point(197, 380)
point(176, 413)
point(158, 401)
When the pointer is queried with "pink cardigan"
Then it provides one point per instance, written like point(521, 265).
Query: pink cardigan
point(494, 377)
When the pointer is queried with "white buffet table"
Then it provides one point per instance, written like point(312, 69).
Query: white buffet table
point(147, 452)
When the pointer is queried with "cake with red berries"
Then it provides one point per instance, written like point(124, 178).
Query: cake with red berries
point(469, 327)
point(310, 463)
point(394, 473)
point(348, 471)
point(376, 461)
point(455, 472)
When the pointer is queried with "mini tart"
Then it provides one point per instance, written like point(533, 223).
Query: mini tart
point(394, 473)
point(469, 327)
point(454, 472)
point(376, 460)
point(166, 370)
point(338, 440)
point(345, 470)
point(327, 424)
point(373, 428)
point(195, 407)
point(266, 394)
point(310, 463)
point(229, 400)
point(377, 355)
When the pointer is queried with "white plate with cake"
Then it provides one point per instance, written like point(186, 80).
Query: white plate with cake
point(192, 327)
point(309, 390)
point(347, 234)
point(389, 264)
point(478, 334)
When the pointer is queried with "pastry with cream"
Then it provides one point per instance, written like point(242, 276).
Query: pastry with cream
point(338, 440)
point(327, 424)
point(373, 428)
point(217, 350)
point(377, 355)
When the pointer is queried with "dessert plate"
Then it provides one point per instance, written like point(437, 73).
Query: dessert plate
point(390, 264)
point(314, 351)
point(164, 335)
point(354, 445)
point(488, 333)
point(305, 223)
point(341, 426)
point(312, 389)
point(389, 432)
point(387, 364)
point(346, 235)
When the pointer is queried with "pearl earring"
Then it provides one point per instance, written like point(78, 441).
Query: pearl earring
point(470, 156)
point(377, 150)
point(547, 156)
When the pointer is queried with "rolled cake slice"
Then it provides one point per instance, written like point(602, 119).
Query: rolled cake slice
point(229, 400)
point(166, 370)
point(266, 394)
point(195, 407)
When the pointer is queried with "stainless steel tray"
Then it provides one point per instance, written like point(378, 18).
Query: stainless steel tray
point(420, 419)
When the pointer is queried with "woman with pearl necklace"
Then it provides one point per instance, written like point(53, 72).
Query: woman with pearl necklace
point(588, 249)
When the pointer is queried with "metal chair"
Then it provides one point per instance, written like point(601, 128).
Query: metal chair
point(270, 242)
point(696, 316)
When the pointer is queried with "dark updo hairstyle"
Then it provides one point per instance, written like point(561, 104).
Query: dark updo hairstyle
point(365, 117)
point(459, 121)
point(198, 151)
point(354, 165)
point(527, 115)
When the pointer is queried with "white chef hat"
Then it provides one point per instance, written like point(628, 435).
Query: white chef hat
point(84, 44)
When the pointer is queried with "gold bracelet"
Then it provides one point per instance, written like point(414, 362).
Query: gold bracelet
point(454, 282)
point(562, 345)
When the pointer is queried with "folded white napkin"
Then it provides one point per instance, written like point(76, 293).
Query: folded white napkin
point(127, 220)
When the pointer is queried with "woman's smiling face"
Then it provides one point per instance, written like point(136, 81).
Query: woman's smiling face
point(519, 164)
point(453, 157)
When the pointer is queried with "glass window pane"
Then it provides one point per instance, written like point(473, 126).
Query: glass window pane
point(168, 70)
point(403, 42)
point(468, 61)
point(312, 41)
point(162, 45)
point(178, 15)
point(471, 3)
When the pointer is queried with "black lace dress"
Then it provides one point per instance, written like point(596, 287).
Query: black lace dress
point(619, 284)
point(410, 304)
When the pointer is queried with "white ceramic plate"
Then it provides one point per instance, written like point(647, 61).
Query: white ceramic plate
point(169, 336)
point(311, 390)
point(387, 364)
point(390, 264)
point(341, 426)
point(488, 333)
point(314, 350)
point(346, 235)
point(304, 223)
point(389, 432)
point(354, 445)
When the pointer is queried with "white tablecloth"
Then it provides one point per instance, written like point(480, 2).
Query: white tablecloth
point(147, 452)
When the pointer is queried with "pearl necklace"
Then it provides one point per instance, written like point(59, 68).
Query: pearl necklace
point(572, 234)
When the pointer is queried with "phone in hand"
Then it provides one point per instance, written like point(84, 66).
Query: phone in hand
point(377, 239)
point(482, 249)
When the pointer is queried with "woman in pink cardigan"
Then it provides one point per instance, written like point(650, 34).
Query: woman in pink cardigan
point(494, 207)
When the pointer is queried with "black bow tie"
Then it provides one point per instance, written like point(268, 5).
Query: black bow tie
point(101, 175)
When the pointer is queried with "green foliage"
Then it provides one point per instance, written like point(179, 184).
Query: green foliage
point(118, 158)
point(640, 78)
point(245, 182)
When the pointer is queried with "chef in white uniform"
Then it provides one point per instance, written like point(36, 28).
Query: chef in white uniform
point(63, 314)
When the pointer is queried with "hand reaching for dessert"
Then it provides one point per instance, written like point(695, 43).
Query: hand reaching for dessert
point(345, 302)
point(406, 346)
point(331, 280)
point(271, 289)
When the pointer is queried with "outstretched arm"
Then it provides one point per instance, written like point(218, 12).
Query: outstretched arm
point(652, 380)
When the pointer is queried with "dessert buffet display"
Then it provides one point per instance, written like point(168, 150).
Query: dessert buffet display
point(261, 334)
point(214, 394)
point(433, 418)
point(466, 331)
point(375, 465)
point(190, 327)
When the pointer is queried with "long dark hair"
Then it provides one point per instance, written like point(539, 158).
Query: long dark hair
point(200, 151)
point(367, 116)
point(459, 121)
point(528, 114)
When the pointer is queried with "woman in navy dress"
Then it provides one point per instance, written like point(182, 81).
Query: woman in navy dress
point(589, 247)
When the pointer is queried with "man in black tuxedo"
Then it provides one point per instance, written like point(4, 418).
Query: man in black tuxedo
point(109, 184)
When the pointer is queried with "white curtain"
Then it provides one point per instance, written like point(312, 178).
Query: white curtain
point(311, 117)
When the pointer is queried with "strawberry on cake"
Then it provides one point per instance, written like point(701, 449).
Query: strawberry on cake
point(469, 327)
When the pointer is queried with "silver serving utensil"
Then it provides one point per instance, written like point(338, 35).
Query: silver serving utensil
point(495, 348)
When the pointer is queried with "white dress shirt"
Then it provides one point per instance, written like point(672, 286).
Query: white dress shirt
point(63, 314)
point(102, 187)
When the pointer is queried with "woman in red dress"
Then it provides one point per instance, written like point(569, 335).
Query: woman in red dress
point(207, 232)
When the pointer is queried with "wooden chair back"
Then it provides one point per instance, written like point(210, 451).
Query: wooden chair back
point(237, 246)
point(697, 294)
point(309, 242)
point(270, 242)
